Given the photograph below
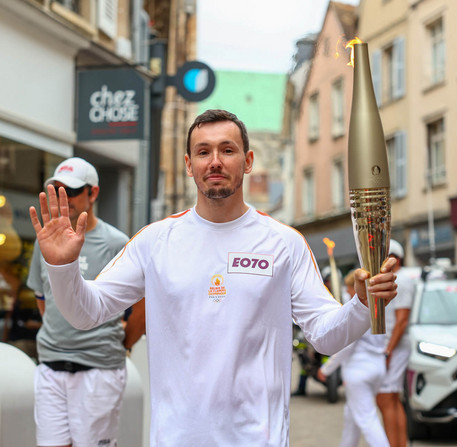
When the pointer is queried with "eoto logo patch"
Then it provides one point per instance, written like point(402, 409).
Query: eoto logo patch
point(250, 263)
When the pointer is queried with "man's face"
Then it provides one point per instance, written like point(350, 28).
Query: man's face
point(217, 161)
point(80, 203)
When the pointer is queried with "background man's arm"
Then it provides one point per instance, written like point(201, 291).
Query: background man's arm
point(136, 324)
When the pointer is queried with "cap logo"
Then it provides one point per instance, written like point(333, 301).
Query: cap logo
point(66, 168)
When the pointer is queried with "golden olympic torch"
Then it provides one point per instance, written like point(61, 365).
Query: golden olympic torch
point(335, 283)
point(369, 184)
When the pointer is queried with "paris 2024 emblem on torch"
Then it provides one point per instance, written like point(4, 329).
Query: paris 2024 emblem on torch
point(369, 184)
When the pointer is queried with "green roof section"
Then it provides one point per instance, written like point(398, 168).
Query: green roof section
point(256, 98)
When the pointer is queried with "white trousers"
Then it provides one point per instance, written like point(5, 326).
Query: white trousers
point(362, 375)
point(81, 409)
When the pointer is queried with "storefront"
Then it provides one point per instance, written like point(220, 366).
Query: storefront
point(38, 102)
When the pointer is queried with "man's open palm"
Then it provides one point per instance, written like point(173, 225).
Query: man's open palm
point(59, 243)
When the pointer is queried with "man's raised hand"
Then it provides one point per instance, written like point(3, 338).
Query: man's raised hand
point(59, 243)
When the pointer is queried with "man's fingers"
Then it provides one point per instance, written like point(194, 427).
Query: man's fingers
point(53, 205)
point(35, 221)
point(388, 264)
point(361, 274)
point(44, 208)
point(81, 224)
point(63, 202)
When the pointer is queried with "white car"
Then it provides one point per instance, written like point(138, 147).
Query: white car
point(431, 376)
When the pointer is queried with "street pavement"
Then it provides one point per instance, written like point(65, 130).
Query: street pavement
point(316, 423)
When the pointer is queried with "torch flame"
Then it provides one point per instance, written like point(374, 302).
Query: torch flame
point(350, 45)
point(330, 245)
point(338, 43)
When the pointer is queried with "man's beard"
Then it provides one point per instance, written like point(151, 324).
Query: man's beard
point(221, 193)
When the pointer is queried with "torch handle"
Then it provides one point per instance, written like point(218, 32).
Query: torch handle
point(370, 213)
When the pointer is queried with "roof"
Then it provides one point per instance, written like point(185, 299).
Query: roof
point(347, 16)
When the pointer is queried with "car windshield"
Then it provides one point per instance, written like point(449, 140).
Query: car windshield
point(439, 303)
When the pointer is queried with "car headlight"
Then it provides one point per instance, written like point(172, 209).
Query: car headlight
point(439, 352)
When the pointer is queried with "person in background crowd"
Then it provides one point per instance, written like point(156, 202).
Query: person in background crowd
point(397, 353)
point(222, 283)
point(80, 380)
point(362, 368)
point(310, 359)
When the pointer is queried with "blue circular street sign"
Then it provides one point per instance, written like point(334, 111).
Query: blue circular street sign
point(195, 81)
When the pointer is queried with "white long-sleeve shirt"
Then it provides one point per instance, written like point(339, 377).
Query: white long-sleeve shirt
point(220, 299)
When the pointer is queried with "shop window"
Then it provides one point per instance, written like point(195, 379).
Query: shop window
point(22, 171)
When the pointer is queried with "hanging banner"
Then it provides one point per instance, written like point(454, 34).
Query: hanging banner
point(110, 104)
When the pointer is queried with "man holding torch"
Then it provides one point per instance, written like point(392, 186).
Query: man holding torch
point(222, 283)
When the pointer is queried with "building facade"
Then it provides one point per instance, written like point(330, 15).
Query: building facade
point(412, 67)
point(413, 63)
point(321, 201)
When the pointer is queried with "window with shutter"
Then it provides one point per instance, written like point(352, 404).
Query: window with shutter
point(398, 68)
point(107, 17)
point(376, 75)
point(307, 193)
point(313, 123)
point(337, 109)
point(396, 148)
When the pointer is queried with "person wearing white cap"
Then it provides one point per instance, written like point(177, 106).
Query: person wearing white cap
point(397, 353)
point(81, 375)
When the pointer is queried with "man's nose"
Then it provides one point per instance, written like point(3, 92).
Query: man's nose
point(215, 160)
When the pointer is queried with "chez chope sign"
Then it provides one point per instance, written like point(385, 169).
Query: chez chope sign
point(110, 105)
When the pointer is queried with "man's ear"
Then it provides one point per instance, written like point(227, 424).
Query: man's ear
point(188, 165)
point(249, 159)
point(93, 193)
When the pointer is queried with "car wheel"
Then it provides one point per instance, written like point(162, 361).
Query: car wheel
point(332, 387)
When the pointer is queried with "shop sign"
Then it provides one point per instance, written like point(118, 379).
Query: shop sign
point(110, 105)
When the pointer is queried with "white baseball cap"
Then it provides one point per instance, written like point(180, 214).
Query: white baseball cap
point(74, 173)
point(396, 249)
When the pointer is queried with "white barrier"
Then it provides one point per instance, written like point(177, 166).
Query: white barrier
point(140, 358)
point(17, 426)
point(131, 420)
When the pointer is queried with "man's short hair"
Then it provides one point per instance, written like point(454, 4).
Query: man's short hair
point(218, 115)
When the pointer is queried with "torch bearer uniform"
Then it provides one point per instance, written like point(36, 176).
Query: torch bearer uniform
point(220, 298)
point(363, 367)
point(393, 380)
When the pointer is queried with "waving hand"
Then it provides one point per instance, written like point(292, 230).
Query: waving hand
point(59, 243)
